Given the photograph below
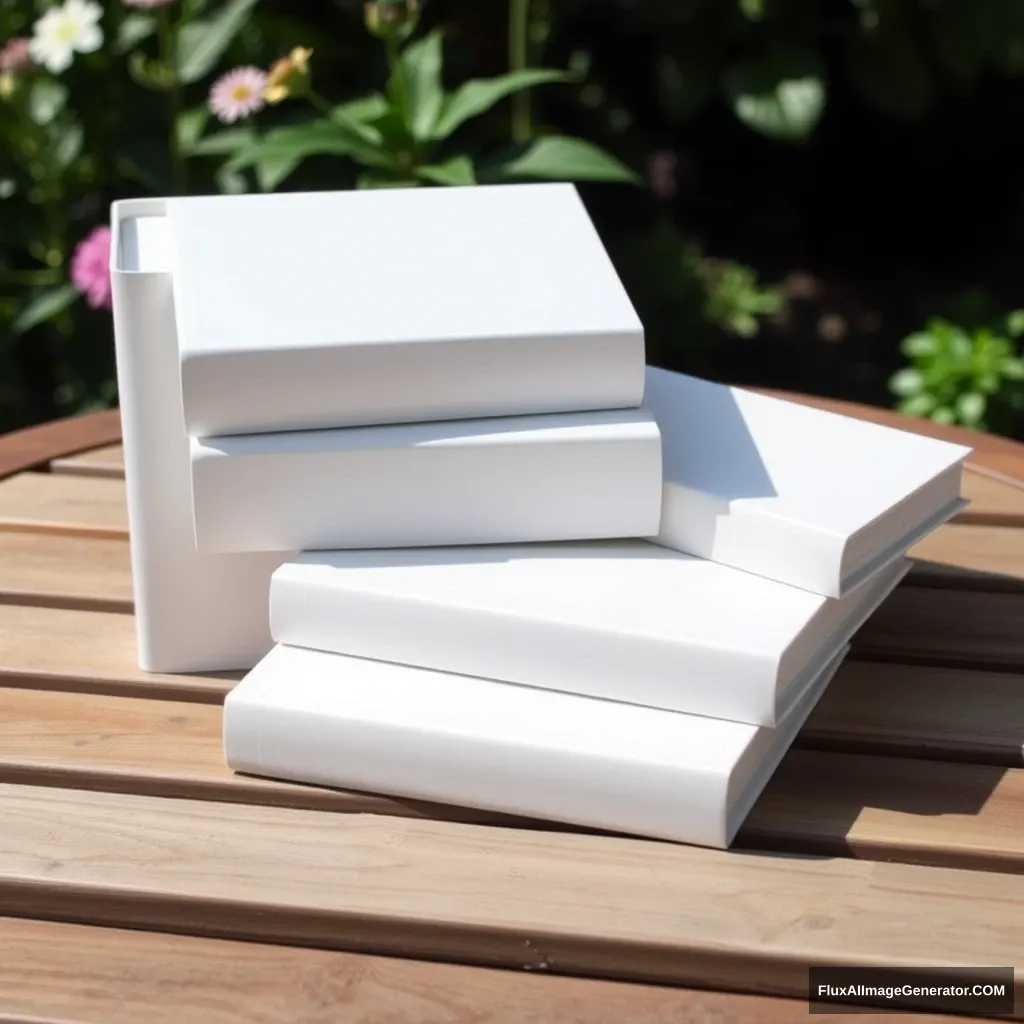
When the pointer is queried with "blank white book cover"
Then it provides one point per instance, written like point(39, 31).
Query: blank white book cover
point(193, 612)
point(796, 494)
point(332, 309)
point(628, 621)
point(524, 478)
point(332, 720)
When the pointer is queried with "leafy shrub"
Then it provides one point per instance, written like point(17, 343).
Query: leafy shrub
point(972, 376)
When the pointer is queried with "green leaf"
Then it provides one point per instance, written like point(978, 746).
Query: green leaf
point(456, 171)
point(133, 30)
point(561, 158)
point(480, 94)
point(43, 307)
point(970, 408)
point(364, 110)
point(752, 10)
point(420, 67)
point(920, 345)
point(46, 100)
point(191, 125)
point(943, 414)
point(68, 145)
point(297, 142)
point(202, 43)
point(222, 143)
point(906, 382)
point(781, 96)
point(273, 168)
point(918, 405)
point(1015, 323)
point(1012, 369)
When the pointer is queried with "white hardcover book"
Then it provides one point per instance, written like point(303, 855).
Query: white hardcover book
point(518, 479)
point(627, 621)
point(795, 494)
point(350, 723)
point(320, 310)
point(193, 612)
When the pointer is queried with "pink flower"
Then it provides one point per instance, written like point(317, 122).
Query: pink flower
point(90, 268)
point(238, 94)
point(14, 55)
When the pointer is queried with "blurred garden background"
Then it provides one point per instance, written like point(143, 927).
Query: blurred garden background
point(816, 195)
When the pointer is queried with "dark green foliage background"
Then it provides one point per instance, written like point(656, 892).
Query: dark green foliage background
point(875, 193)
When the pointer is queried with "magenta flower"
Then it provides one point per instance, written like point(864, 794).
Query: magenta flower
point(90, 268)
point(14, 55)
point(238, 94)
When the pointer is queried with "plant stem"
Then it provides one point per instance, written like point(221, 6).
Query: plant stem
point(168, 56)
point(398, 78)
point(518, 50)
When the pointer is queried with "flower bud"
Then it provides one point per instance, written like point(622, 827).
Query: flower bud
point(288, 76)
point(392, 19)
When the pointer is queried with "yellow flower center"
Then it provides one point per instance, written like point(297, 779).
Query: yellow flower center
point(67, 32)
point(241, 92)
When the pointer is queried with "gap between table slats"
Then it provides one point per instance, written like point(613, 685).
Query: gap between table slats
point(571, 904)
point(80, 974)
point(876, 808)
point(870, 707)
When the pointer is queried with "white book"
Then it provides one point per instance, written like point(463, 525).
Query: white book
point(624, 620)
point(319, 310)
point(332, 720)
point(524, 478)
point(193, 612)
point(795, 494)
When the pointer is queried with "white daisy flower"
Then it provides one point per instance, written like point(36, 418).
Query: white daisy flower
point(61, 31)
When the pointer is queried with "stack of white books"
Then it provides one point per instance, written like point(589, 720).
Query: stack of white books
point(398, 455)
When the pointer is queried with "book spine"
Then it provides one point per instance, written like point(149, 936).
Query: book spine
point(521, 776)
point(498, 491)
point(193, 613)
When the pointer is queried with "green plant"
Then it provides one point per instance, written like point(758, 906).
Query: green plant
point(735, 299)
point(406, 134)
point(970, 376)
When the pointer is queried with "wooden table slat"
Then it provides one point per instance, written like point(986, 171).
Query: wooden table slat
point(65, 572)
point(96, 653)
point(117, 809)
point(575, 904)
point(80, 974)
point(925, 812)
point(869, 707)
point(942, 626)
point(107, 461)
point(53, 503)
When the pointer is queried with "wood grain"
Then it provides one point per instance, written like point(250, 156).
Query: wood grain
point(923, 812)
point(93, 652)
point(37, 445)
point(86, 975)
point(935, 626)
point(107, 461)
point(870, 707)
point(994, 501)
point(573, 904)
point(65, 572)
point(75, 506)
point(917, 711)
point(879, 808)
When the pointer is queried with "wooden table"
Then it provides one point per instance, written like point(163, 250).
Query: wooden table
point(892, 834)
